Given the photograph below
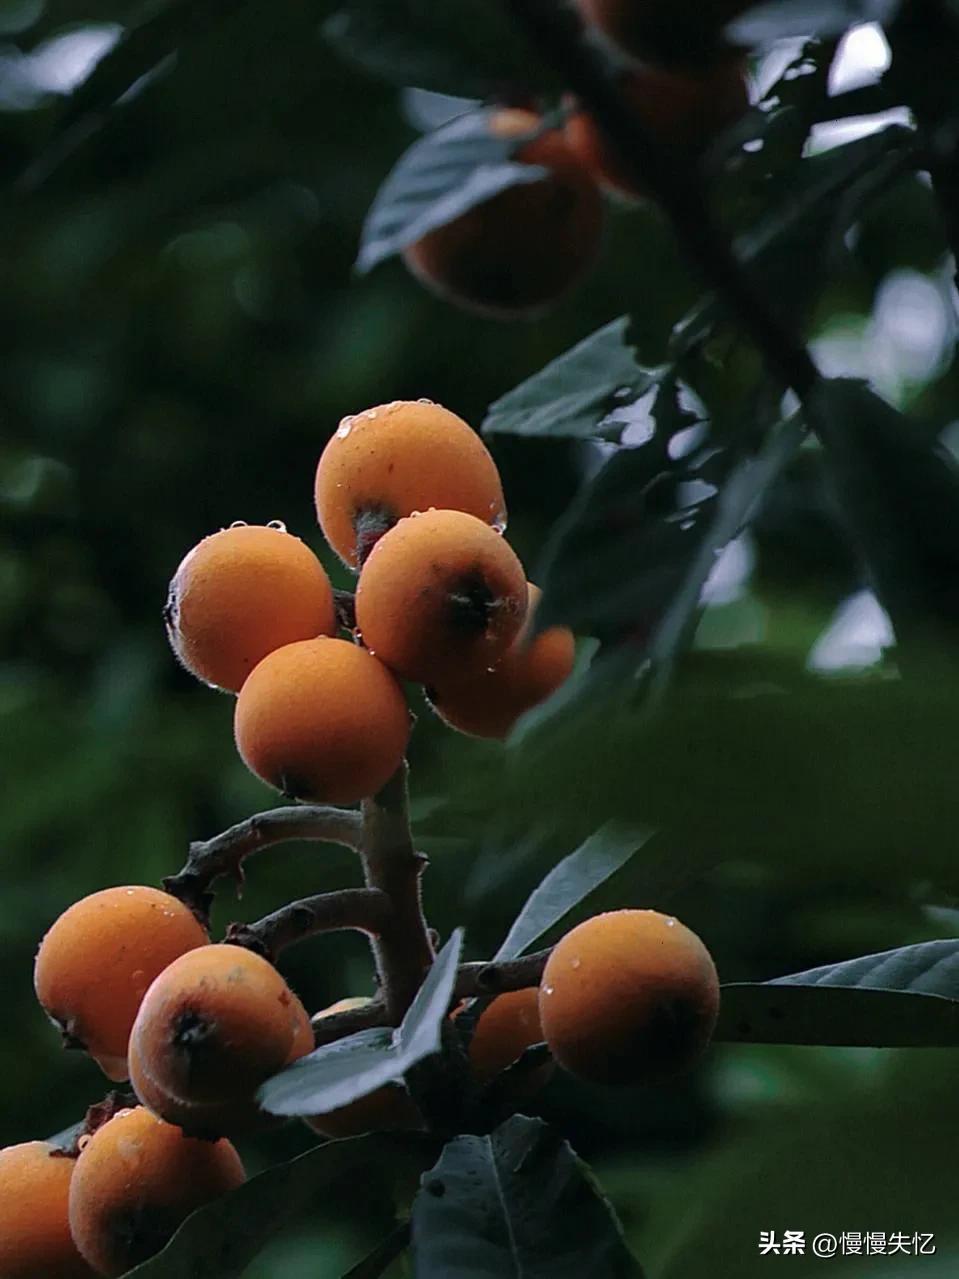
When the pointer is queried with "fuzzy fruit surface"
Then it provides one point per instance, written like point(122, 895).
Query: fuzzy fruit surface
point(240, 594)
point(386, 1109)
point(629, 997)
point(516, 253)
point(441, 596)
point(98, 959)
point(136, 1181)
point(490, 703)
point(684, 33)
point(397, 458)
point(683, 111)
point(214, 1025)
point(35, 1238)
point(322, 720)
point(506, 1028)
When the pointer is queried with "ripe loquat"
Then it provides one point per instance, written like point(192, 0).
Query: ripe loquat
point(239, 595)
point(395, 459)
point(35, 1238)
point(137, 1179)
point(98, 959)
point(441, 596)
point(506, 1028)
point(628, 997)
point(519, 251)
point(322, 720)
point(489, 704)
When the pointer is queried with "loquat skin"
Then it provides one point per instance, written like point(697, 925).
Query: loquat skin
point(441, 596)
point(239, 595)
point(35, 1238)
point(518, 252)
point(98, 959)
point(683, 33)
point(506, 1028)
point(386, 1109)
point(489, 704)
point(215, 1025)
point(395, 459)
point(136, 1181)
point(322, 720)
point(684, 111)
point(629, 997)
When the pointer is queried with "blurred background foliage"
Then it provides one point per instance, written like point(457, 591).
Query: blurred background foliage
point(183, 331)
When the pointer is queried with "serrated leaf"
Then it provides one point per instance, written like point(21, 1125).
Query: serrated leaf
point(341, 1072)
point(461, 47)
point(571, 881)
point(223, 1237)
point(439, 178)
point(516, 1203)
point(783, 19)
point(898, 491)
point(577, 394)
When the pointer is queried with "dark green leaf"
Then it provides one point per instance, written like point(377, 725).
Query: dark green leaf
point(223, 1237)
point(341, 1072)
point(570, 882)
point(516, 1203)
point(899, 492)
point(463, 47)
point(584, 393)
point(440, 177)
point(382, 1256)
point(841, 1016)
point(781, 19)
point(927, 968)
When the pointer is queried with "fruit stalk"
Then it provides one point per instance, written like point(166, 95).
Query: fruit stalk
point(365, 910)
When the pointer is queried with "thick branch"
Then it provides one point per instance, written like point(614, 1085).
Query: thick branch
point(555, 29)
point(364, 910)
point(224, 854)
point(489, 978)
point(329, 1027)
point(403, 950)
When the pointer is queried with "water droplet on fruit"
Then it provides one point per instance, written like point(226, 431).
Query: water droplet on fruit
point(344, 428)
point(424, 400)
point(499, 522)
point(276, 524)
point(238, 524)
point(576, 963)
point(83, 1141)
point(670, 923)
point(547, 990)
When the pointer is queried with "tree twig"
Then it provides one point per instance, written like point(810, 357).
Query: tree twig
point(329, 1027)
point(224, 853)
point(365, 910)
point(490, 978)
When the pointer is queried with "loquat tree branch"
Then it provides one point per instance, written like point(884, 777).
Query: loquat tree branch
point(491, 978)
point(556, 30)
point(365, 910)
point(403, 949)
point(225, 853)
point(329, 1027)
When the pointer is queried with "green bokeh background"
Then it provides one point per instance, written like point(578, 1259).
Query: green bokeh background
point(183, 333)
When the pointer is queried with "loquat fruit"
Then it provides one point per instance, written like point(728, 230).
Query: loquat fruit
point(516, 253)
point(239, 595)
point(628, 997)
point(395, 459)
point(98, 959)
point(322, 720)
point(35, 1238)
point(441, 596)
point(136, 1181)
point(489, 704)
point(506, 1028)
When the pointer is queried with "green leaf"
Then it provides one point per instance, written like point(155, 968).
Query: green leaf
point(439, 178)
point(341, 1072)
point(898, 490)
point(782, 19)
point(463, 47)
point(570, 883)
point(223, 1237)
point(927, 968)
point(516, 1203)
point(583, 394)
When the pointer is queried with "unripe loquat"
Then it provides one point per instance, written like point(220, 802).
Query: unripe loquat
point(35, 1238)
point(322, 720)
point(386, 1109)
point(215, 1025)
point(686, 33)
point(441, 596)
point(628, 997)
point(519, 251)
point(392, 460)
point(683, 111)
point(239, 595)
point(506, 1028)
point(137, 1179)
point(98, 959)
point(490, 703)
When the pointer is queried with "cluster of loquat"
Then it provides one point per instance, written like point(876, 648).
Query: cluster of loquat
point(408, 496)
point(520, 250)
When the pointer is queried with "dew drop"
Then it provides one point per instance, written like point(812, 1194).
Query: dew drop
point(499, 522)
point(344, 428)
point(670, 923)
point(547, 990)
point(238, 524)
point(276, 524)
point(576, 963)
point(83, 1141)
point(423, 400)
point(371, 414)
